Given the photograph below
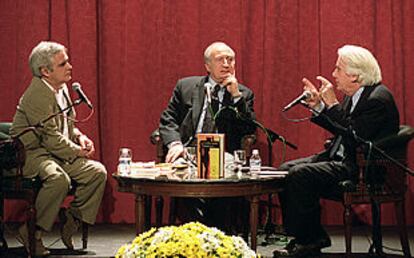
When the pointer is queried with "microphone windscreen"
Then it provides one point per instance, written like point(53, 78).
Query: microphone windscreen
point(76, 86)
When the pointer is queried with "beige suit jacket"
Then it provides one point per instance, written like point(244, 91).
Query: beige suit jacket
point(37, 103)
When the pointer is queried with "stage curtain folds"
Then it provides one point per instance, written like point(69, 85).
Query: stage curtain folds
point(129, 54)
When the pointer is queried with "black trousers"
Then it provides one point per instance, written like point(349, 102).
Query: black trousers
point(308, 180)
point(229, 214)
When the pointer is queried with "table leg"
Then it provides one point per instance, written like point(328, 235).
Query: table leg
point(159, 210)
point(139, 213)
point(254, 218)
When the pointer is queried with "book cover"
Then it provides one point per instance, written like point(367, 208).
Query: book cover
point(210, 158)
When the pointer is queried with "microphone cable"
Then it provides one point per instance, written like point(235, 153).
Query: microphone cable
point(265, 131)
point(81, 120)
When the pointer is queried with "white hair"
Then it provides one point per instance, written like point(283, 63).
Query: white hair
point(214, 46)
point(360, 61)
point(42, 55)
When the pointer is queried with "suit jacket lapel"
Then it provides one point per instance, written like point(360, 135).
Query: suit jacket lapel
point(362, 99)
point(45, 91)
point(198, 101)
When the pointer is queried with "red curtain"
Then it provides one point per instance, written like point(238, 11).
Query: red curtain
point(129, 54)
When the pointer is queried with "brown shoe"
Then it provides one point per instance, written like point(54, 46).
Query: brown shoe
point(23, 238)
point(69, 226)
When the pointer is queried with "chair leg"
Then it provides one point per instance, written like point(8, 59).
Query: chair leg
point(32, 228)
point(3, 244)
point(348, 230)
point(402, 229)
point(85, 233)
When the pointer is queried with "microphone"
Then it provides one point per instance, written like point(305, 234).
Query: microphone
point(77, 87)
point(208, 86)
point(305, 95)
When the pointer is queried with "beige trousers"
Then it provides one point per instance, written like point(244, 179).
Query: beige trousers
point(90, 177)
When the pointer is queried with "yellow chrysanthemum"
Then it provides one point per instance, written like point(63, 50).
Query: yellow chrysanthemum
point(189, 240)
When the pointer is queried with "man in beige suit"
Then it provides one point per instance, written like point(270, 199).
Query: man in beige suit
point(57, 152)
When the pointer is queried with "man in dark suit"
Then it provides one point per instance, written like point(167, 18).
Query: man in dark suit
point(187, 112)
point(369, 109)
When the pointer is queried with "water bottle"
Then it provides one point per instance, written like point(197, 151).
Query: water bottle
point(124, 165)
point(255, 161)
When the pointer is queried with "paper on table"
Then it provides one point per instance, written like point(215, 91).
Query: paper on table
point(270, 176)
point(273, 172)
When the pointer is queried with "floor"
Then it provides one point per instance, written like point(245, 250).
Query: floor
point(105, 239)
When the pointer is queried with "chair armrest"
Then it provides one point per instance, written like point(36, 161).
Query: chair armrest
point(382, 174)
point(247, 143)
point(347, 186)
point(327, 143)
point(155, 139)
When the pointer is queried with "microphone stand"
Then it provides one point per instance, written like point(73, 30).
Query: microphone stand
point(271, 137)
point(41, 123)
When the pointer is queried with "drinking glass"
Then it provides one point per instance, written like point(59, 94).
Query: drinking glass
point(239, 160)
point(191, 156)
point(190, 153)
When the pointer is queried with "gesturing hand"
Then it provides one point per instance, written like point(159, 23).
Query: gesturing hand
point(315, 99)
point(326, 92)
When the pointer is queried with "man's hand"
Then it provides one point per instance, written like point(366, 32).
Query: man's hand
point(327, 93)
point(87, 146)
point(315, 98)
point(174, 152)
point(232, 86)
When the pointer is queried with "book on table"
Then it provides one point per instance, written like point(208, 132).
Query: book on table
point(210, 155)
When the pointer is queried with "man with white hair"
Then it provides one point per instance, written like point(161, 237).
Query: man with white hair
point(57, 152)
point(369, 109)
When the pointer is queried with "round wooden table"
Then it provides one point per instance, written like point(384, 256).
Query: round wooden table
point(250, 187)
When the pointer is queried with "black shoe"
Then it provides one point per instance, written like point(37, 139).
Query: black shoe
point(297, 250)
point(322, 242)
point(294, 249)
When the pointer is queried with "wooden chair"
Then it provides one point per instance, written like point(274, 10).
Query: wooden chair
point(380, 181)
point(161, 151)
point(15, 186)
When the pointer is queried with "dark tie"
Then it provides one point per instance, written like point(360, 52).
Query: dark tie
point(348, 108)
point(215, 103)
point(208, 123)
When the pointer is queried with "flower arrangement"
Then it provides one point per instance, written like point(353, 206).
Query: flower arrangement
point(189, 240)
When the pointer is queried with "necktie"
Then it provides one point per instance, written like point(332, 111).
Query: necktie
point(209, 123)
point(215, 103)
point(349, 107)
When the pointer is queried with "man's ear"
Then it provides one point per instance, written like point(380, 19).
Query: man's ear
point(355, 78)
point(44, 71)
point(207, 66)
